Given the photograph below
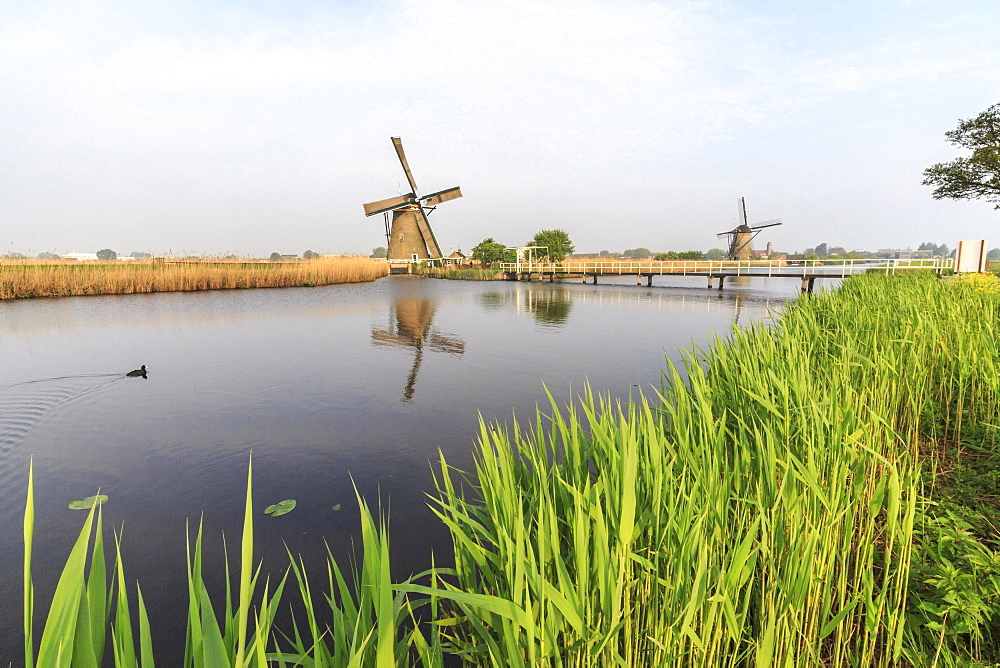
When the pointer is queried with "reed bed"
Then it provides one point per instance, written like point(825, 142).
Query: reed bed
point(772, 505)
point(19, 280)
point(463, 273)
point(764, 509)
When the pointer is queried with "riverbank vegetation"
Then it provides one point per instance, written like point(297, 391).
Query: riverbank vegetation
point(27, 278)
point(477, 273)
point(811, 490)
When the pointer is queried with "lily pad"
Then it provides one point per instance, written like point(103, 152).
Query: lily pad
point(280, 508)
point(89, 502)
point(337, 507)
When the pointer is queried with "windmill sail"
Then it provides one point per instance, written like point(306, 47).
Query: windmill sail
point(398, 145)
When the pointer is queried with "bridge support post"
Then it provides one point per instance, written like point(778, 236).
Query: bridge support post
point(584, 279)
point(595, 279)
point(710, 282)
point(722, 281)
point(638, 279)
point(807, 283)
point(649, 281)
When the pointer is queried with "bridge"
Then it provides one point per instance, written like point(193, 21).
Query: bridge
point(808, 271)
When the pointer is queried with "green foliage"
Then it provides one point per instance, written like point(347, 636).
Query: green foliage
point(684, 255)
point(89, 502)
point(376, 624)
point(557, 244)
point(715, 254)
point(488, 251)
point(742, 518)
point(941, 250)
point(47, 256)
point(379, 252)
point(275, 257)
point(280, 508)
point(955, 596)
point(308, 255)
point(465, 273)
point(978, 175)
point(994, 254)
point(637, 252)
point(106, 254)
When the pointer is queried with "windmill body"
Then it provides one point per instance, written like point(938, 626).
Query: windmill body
point(741, 236)
point(409, 235)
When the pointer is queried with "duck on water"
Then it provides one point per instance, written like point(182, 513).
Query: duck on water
point(137, 372)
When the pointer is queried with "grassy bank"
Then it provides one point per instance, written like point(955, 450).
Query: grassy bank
point(20, 279)
point(462, 273)
point(794, 496)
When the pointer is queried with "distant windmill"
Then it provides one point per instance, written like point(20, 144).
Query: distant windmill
point(741, 235)
point(409, 236)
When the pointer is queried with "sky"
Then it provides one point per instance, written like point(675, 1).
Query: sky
point(246, 128)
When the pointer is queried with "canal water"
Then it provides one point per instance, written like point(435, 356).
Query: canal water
point(327, 388)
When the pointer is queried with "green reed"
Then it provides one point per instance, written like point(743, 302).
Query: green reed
point(761, 510)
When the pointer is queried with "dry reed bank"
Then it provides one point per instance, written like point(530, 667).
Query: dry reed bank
point(27, 279)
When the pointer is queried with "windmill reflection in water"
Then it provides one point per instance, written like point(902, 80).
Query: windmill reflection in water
point(410, 323)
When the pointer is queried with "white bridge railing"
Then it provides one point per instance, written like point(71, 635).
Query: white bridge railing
point(831, 268)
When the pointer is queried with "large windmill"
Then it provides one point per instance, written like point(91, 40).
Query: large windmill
point(741, 235)
point(409, 235)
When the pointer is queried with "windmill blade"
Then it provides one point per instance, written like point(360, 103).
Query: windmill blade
point(424, 226)
point(384, 205)
point(443, 343)
point(411, 380)
point(398, 144)
point(722, 234)
point(767, 223)
point(441, 196)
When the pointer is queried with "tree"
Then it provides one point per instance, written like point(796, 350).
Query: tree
point(107, 254)
point(822, 250)
point(994, 254)
point(275, 257)
point(47, 255)
point(837, 250)
point(978, 175)
point(308, 255)
point(715, 254)
point(489, 251)
point(140, 254)
point(942, 250)
point(637, 252)
point(557, 244)
point(379, 252)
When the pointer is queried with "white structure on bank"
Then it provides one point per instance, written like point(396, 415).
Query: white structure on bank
point(80, 257)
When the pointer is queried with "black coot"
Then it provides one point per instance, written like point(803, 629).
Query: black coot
point(138, 372)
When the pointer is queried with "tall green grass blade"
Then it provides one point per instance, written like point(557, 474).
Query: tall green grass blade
point(29, 591)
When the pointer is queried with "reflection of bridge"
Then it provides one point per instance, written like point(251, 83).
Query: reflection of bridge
point(806, 270)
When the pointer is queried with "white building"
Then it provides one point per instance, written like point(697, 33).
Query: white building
point(80, 257)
